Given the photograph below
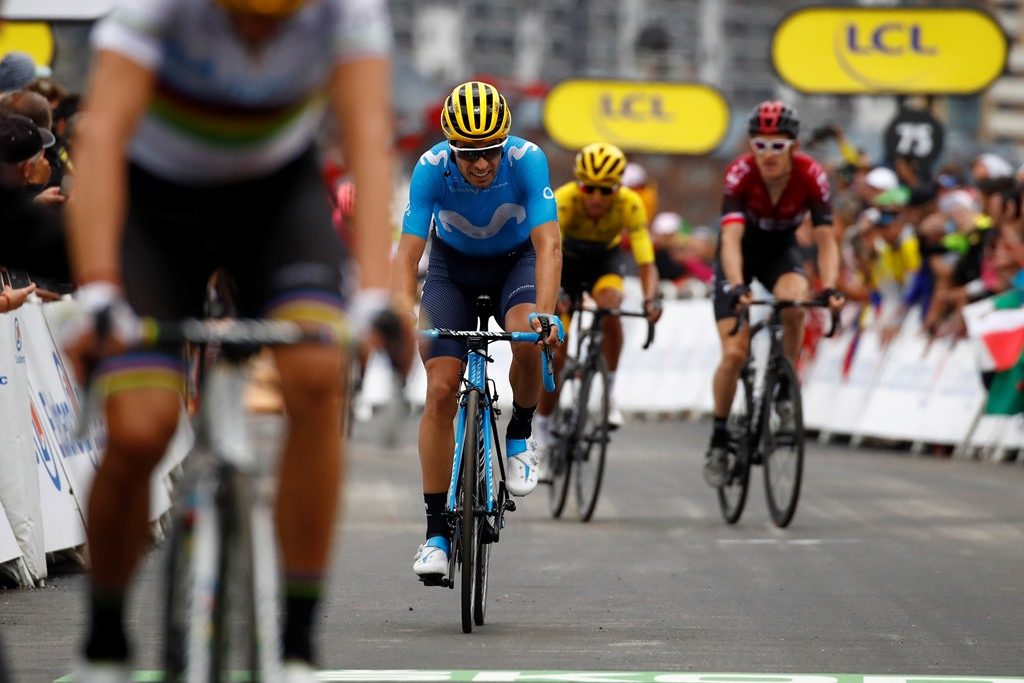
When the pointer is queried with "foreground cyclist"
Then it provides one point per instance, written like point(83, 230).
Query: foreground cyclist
point(593, 212)
point(197, 152)
point(485, 200)
point(768, 193)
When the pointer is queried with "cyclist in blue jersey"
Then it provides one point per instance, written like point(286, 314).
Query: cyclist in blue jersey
point(485, 199)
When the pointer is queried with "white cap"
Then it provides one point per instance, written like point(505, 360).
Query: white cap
point(957, 199)
point(666, 223)
point(634, 175)
point(996, 166)
point(882, 178)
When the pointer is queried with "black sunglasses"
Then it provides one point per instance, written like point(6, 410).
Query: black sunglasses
point(472, 155)
point(589, 189)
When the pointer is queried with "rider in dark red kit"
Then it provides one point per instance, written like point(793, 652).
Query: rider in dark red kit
point(768, 193)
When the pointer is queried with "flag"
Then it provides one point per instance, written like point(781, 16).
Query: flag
point(997, 325)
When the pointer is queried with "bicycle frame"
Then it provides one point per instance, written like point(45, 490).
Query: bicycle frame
point(476, 372)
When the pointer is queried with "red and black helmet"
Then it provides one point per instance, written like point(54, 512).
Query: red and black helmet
point(773, 117)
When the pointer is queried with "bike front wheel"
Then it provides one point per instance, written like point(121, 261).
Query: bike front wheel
point(467, 500)
point(592, 438)
point(563, 438)
point(732, 497)
point(782, 442)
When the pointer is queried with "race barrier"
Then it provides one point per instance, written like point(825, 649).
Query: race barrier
point(47, 465)
point(913, 389)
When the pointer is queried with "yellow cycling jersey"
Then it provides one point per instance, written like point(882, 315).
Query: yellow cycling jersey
point(627, 212)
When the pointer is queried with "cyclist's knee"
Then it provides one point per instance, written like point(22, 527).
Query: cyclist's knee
point(733, 357)
point(443, 379)
point(311, 378)
point(525, 353)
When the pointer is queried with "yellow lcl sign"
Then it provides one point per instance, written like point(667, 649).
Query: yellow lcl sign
point(32, 37)
point(669, 118)
point(849, 50)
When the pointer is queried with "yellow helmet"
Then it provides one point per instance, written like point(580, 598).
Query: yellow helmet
point(270, 9)
point(600, 164)
point(475, 112)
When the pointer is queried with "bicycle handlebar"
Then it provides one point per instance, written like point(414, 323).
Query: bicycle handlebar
point(619, 313)
point(780, 304)
point(237, 332)
point(547, 371)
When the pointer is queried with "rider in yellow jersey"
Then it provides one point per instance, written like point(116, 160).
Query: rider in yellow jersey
point(593, 212)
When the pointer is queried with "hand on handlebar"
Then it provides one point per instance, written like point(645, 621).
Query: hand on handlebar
point(833, 298)
point(653, 308)
point(549, 325)
point(740, 296)
point(103, 325)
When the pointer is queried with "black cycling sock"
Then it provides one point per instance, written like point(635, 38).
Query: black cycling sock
point(719, 432)
point(107, 640)
point(301, 600)
point(437, 525)
point(520, 426)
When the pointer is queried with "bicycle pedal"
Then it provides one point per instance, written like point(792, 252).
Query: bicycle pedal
point(510, 505)
point(434, 580)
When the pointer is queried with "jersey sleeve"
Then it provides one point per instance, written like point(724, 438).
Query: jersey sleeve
point(820, 201)
point(363, 30)
point(424, 190)
point(531, 166)
point(634, 220)
point(134, 29)
point(734, 190)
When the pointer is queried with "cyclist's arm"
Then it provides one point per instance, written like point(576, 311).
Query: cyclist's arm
point(119, 92)
point(828, 256)
point(635, 219)
point(731, 247)
point(547, 242)
point(361, 101)
point(403, 277)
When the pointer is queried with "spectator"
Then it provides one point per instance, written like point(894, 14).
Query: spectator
point(22, 164)
point(17, 71)
point(683, 258)
point(35, 107)
point(636, 178)
point(877, 181)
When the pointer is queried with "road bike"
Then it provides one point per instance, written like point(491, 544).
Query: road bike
point(579, 424)
point(476, 505)
point(222, 569)
point(756, 433)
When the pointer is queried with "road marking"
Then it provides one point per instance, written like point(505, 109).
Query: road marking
point(409, 675)
point(787, 541)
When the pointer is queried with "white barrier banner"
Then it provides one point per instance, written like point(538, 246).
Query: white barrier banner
point(19, 489)
point(956, 397)
point(9, 549)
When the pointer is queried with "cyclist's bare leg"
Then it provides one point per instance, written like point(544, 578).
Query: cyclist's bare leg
point(309, 480)
point(524, 375)
point(437, 434)
point(609, 297)
point(792, 286)
point(734, 354)
point(140, 424)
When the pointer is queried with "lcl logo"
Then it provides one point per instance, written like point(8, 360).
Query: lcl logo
point(636, 106)
point(892, 38)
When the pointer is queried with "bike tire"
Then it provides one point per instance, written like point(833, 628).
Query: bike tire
point(783, 453)
point(482, 543)
point(732, 497)
point(192, 626)
point(467, 495)
point(592, 440)
point(563, 437)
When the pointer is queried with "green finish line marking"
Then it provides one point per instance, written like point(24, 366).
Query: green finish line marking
point(409, 675)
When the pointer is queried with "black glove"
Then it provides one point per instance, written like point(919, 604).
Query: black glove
point(830, 292)
point(735, 292)
point(651, 305)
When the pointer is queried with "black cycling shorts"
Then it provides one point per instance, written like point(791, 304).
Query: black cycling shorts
point(582, 269)
point(767, 271)
point(454, 280)
point(273, 235)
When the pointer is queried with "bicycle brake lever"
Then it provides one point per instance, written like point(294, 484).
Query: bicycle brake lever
point(835, 324)
point(650, 335)
point(741, 317)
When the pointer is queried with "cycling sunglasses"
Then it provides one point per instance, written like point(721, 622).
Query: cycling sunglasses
point(760, 145)
point(603, 189)
point(473, 154)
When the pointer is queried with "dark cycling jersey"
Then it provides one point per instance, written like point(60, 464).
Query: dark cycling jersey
point(771, 228)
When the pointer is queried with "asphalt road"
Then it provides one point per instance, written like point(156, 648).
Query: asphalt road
point(894, 564)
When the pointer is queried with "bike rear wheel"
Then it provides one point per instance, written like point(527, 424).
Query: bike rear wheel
point(732, 497)
point(564, 436)
point(592, 438)
point(468, 536)
point(782, 450)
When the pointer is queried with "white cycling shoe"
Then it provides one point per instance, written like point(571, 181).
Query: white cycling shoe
point(787, 415)
point(103, 672)
point(432, 557)
point(615, 419)
point(522, 466)
point(296, 671)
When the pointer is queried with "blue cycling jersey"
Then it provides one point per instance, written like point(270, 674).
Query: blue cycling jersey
point(481, 221)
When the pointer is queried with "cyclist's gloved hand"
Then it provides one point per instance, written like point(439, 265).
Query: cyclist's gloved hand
point(832, 297)
point(103, 324)
point(738, 294)
point(375, 319)
point(551, 324)
point(653, 308)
